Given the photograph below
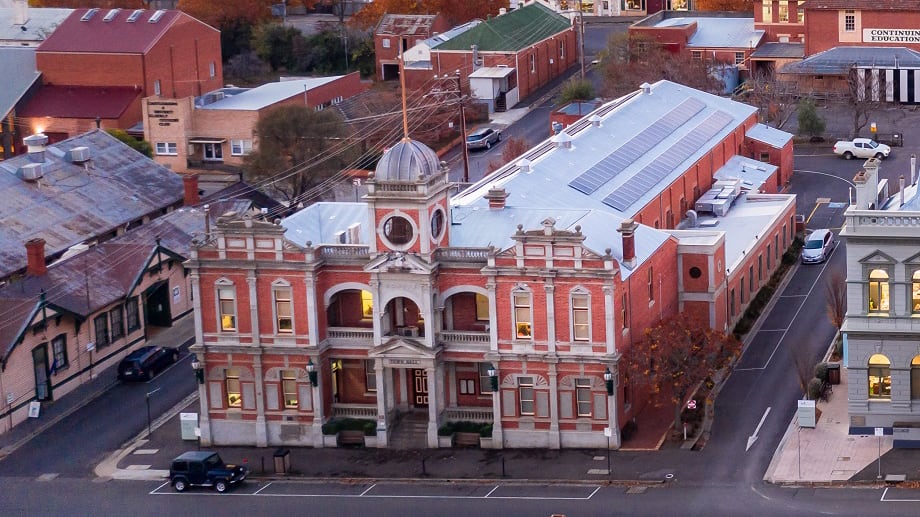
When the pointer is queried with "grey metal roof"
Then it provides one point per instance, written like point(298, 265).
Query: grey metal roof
point(769, 135)
point(40, 23)
point(494, 72)
point(780, 50)
point(547, 183)
point(19, 74)
point(752, 173)
point(268, 94)
point(839, 60)
point(76, 202)
point(408, 160)
point(318, 223)
point(718, 32)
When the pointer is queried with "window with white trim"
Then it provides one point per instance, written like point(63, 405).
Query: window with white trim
point(523, 314)
point(101, 325)
point(533, 62)
point(583, 396)
point(879, 300)
point(289, 389)
point(562, 49)
point(849, 21)
point(651, 284)
point(226, 307)
point(59, 352)
point(167, 148)
point(739, 58)
point(232, 385)
point(284, 319)
point(526, 395)
point(156, 87)
point(581, 317)
point(132, 314)
point(240, 147)
point(485, 381)
point(212, 69)
point(370, 376)
point(385, 43)
point(117, 321)
point(482, 307)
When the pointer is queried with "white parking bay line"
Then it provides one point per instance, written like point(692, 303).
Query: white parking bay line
point(155, 490)
point(884, 498)
point(263, 488)
point(490, 491)
point(368, 489)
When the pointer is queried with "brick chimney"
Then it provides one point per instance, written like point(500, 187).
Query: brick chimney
point(628, 230)
point(496, 197)
point(190, 184)
point(35, 253)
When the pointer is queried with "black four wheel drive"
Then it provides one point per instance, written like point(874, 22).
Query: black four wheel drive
point(204, 468)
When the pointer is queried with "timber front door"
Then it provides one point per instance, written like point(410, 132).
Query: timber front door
point(420, 387)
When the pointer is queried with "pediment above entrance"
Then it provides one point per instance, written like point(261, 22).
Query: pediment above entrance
point(399, 262)
point(400, 352)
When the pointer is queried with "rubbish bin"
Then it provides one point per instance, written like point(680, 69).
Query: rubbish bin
point(282, 461)
point(833, 373)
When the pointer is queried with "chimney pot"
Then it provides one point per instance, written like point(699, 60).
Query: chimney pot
point(628, 230)
point(190, 187)
point(496, 198)
point(35, 255)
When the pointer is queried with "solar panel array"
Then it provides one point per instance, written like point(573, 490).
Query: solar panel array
point(624, 156)
point(636, 186)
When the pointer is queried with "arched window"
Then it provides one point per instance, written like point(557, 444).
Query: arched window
point(878, 291)
point(580, 309)
point(522, 306)
point(915, 378)
point(879, 377)
point(915, 293)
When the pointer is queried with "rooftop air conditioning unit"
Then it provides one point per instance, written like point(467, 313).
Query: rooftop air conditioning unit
point(354, 234)
point(79, 154)
point(340, 238)
point(32, 171)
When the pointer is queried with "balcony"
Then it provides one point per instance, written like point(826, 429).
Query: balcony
point(342, 335)
point(463, 255)
point(468, 414)
point(464, 337)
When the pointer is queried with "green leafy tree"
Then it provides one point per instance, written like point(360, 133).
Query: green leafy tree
point(810, 123)
point(676, 356)
point(141, 146)
point(275, 44)
point(299, 148)
point(576, 90)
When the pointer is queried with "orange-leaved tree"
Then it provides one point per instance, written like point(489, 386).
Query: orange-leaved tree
point(455, 12)
point(675, 357)
point(737, 6)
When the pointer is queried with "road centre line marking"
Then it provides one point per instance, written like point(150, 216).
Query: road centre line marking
point(368, 489)
point(774, 330)
point(490, 491)
point(793, 296)
point(748, 369)
point(801, 306)
point(263, 488)
point(528, 498)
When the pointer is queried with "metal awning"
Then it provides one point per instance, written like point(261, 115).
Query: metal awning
point(492, 72)
point(206, 140)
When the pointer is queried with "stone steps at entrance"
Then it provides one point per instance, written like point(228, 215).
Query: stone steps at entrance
point(411, 432)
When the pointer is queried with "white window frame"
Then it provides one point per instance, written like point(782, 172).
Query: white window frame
point(578, 295)
point(234, 388)
point(385, 42)
point(222, 288)
point(167, 149)
point(583, 389)
point(517, 305)
point(849, 21)
point(696, 55)
point(485, 381)
point(739, 58)
point(370, 376)
point(533, 62)
point(282, 295)
point(527, 397)
point(240, 147)
point(156, 87)
point(212, 69)
point(289, 389)
point(562, 49)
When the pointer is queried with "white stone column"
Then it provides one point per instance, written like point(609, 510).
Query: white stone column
point(493, 316)
point(382, 396)
point(317, 393)
point(432, 408)
point(204, 421)
point(555, 439)
point(312, 310)
point(261, 423)
point(609, 319)
point(613, 419)
point(254, 309)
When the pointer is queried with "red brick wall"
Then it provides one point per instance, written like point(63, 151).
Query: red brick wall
point(825, 30)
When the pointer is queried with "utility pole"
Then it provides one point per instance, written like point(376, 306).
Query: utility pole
point(581, 23)
point(466, 152)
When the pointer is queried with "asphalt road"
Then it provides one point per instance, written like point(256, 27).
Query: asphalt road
point(76, 444)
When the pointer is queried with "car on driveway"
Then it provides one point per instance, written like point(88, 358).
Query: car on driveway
point(204, 468)
point(145, 362)
point(818, 246)
point(483, 138)
point(861, 148)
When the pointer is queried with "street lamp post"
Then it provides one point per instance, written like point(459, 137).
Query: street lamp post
point(311, 372)
point(148, 409)
point(199, 371)
point(493, 377)
point(608, 383)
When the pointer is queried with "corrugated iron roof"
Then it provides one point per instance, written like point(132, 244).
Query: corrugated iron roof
point(117, 36)
point(19, 74)
point(406, 24)
point(780, 50)
point(769, 135)
point(511, 31)
point(40, 23)
point(839, 60)
point(76, 202)
point(89, 102)
point(718, 32)
point(887, 5)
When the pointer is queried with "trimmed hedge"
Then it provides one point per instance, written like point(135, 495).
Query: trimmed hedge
point(449, 428)
point(332, 427)
point(760, 301)
point(821, 371)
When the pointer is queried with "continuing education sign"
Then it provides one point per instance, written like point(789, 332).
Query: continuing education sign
point(891, 35)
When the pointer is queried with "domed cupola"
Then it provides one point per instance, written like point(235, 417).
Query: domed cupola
point(408, 160)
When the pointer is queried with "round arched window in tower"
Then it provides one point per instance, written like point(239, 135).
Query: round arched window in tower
point(695, 272)
point(398, 230)
point(437, 224)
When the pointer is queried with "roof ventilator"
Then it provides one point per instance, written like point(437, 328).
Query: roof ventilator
point(563, 140)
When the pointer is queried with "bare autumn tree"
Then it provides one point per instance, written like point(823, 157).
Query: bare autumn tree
point(776, 100)
point(861, 93)
point(836, 290)
point(513, 148)
point(676, 356)
point(632, 59)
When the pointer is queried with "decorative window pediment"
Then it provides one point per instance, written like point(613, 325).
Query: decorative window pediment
point(878, 257)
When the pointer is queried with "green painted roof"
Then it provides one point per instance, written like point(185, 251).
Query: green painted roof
point(512, 31)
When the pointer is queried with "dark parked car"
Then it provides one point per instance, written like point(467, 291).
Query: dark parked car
point(483, 138)
point(204, 468)
point(145, 362)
